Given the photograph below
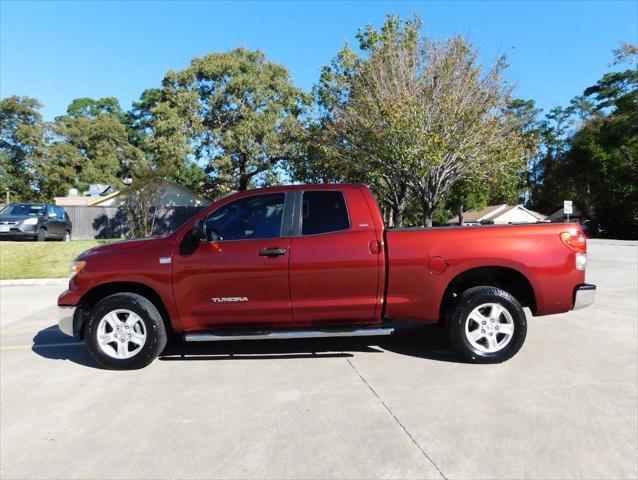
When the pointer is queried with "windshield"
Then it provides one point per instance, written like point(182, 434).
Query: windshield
point(24, 209)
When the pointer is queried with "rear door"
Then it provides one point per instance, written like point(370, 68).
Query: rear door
point(239, 277)
point(63, 221)
point(334, 259)
point(68, 225)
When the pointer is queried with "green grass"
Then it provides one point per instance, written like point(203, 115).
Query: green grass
point(41, 259)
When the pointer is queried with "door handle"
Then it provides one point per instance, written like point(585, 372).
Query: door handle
point(272, 252)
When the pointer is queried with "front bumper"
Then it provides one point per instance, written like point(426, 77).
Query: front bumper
point(65, 319)
point(19, 233)
point(584, 296)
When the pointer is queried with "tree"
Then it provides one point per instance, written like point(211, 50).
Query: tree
point(91, 108)
point(22, 143)
point(90, 145)
point(142, 197)
point(461, 125)
point(352, 142)
point(423, 115)
point(596, 163)
point(243, 114)
point(519, 183)
point(160, 132)
point(511, 185)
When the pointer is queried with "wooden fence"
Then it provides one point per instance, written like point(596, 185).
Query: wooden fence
point(112, 222)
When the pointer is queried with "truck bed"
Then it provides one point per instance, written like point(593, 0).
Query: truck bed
point(424, 262)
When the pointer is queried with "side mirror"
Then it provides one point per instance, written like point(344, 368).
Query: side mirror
point(215, 236)
point(198, 233)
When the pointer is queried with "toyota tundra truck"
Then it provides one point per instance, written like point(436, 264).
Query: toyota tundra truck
point(310, 261)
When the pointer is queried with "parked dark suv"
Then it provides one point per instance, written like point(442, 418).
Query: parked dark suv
point(37, 221)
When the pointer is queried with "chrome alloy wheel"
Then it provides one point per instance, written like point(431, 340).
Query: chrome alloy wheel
point(121, 334)
point(489, 327)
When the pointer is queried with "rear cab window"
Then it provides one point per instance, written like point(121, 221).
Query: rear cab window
point(323, 212)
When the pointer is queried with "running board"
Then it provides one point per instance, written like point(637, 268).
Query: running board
point(283, 334)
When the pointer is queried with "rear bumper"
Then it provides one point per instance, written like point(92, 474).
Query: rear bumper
point(584, 296)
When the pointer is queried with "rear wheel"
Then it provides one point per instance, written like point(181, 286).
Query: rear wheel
point(42, 235)
point(487, 325)
point(125, 331)
point(67, 236)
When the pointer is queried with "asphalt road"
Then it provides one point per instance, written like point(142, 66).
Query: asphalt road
point(565, 407)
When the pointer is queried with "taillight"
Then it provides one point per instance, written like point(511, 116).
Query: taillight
point(577, 243)
point(575, 240)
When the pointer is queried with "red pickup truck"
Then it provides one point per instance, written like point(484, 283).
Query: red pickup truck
point(316, 261)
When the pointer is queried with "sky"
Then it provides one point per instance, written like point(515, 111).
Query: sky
point(58, 51)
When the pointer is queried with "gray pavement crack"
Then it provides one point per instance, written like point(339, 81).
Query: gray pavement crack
point(407, 432)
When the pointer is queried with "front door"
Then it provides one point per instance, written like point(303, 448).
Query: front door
point(239, 277)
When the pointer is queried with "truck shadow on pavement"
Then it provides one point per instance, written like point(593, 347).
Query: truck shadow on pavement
point(428, 342)
point(51, 343)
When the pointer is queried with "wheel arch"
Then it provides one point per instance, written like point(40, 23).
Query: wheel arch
point(101, 291)
point(506, 278)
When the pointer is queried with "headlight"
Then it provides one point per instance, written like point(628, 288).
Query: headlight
point(30, 221)
point(76, 266)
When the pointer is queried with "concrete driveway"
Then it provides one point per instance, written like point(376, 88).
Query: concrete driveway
point(565, 407)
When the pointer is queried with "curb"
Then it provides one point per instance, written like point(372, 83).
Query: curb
point(33, 281)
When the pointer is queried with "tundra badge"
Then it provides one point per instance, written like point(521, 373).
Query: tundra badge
point(229, 299)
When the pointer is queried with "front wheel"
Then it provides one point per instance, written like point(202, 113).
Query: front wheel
point(487, 325)
point(42, 235)
point(124, 331)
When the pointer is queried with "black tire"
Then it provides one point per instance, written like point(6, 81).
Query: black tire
point(153, 323)
point(42, 235)
point(67, 236)
point(466, 303)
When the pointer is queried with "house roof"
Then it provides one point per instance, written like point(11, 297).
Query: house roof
point(492, 212)
point(96, 201)
point(478, 215)
point(100, 200)
point(73, 201)
point(93, 201)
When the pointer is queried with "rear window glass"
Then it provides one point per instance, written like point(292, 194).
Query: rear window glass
point(324, 212)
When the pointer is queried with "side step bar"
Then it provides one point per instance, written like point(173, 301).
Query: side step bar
point(282, 334)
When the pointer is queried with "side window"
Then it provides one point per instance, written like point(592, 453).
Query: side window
point(60, 212)
point(324, 212)
point(50, 211)
point(247, 218)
